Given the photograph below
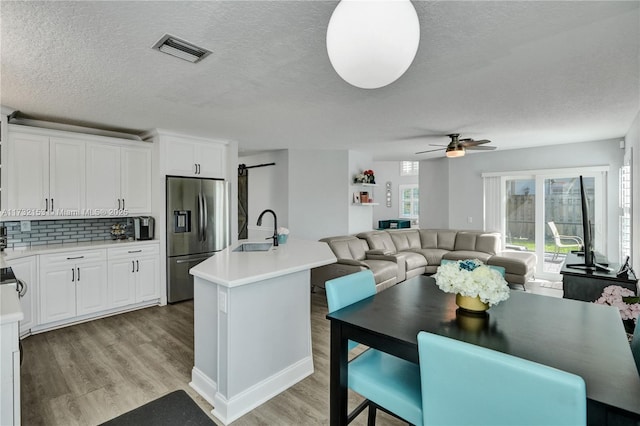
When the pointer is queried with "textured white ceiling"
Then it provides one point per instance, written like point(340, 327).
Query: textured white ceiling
point(521, 73)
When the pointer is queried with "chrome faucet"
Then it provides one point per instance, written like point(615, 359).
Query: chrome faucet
point(275, 225)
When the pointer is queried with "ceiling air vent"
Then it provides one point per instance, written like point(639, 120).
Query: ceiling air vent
point(181, 49)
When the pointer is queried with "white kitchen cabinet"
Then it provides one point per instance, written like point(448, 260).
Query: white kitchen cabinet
point(26, 270)
point(119, 177)
point(187, 157)
point(67, 182)
point(72, 284)
point(135, 166)
point(45, 173)
point(133, 274)
point(9, 357)
point(27, 172)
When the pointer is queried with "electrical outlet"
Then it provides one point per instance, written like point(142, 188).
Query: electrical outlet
point(222, 302)
point(470, 219)
point(25, 226)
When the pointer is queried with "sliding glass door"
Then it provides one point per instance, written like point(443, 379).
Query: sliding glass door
point(542, 214)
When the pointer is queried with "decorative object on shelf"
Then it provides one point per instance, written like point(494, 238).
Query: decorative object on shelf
point(283, 235)
point(476, 285)
point(119, 231)
point(364, 197)
point(388, 187)
point(372, 43)
point(626, 301)
point(356, 197)
point(366, 176)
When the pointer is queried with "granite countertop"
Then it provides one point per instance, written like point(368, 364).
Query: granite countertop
point(232, 269)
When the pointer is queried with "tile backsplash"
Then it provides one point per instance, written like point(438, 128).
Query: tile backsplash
point(45, 232)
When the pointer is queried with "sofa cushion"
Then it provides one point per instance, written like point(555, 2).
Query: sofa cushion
point(405, 240)
point(413, 260)
point(433, 255)
point(383, 270)
point(520, 263)
point(466, 241)
point(347, 247)
point(488, 242)
point(444, 239)
point(467, 254)
point(379, 240)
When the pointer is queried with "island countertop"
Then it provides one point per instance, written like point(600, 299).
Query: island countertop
point(232, 269)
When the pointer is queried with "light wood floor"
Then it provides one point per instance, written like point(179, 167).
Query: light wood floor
point(89, 373)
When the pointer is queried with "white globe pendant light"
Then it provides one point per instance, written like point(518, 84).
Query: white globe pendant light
point(371, 43)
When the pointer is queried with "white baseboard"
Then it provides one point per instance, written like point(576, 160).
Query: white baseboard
point(228, 410)
point(203, 384)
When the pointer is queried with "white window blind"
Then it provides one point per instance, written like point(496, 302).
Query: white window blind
point(409, 168)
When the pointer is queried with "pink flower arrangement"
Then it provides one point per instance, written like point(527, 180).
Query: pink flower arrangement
point(623, 299)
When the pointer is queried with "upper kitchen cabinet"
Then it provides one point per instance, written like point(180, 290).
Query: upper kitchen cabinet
point(186, 156)
point(119, 177)
point(45, 174)
point(57, 173)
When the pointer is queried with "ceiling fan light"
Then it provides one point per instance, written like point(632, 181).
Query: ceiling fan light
point(454, 152)
point(371, 43)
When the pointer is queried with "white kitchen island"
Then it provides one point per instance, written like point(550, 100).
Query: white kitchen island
point(252, 324)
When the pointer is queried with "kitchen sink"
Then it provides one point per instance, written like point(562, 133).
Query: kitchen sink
point(253, 247)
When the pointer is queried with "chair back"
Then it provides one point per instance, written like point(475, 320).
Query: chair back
point(554, 231)
point(465, 384)
point(635, 345)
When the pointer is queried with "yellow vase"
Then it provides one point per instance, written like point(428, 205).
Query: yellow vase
point(473, 304)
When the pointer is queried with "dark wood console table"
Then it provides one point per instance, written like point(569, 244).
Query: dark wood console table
point(588, 285)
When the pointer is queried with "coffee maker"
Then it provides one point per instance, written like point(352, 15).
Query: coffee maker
point(143, 227)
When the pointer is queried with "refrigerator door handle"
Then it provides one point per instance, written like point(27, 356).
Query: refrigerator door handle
point(205, 228)
point(193, 259)
point(200, 217)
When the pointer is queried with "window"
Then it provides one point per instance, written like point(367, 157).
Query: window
point(409, 168)
point(409, 205)
point(522, 204)
point(625, 208)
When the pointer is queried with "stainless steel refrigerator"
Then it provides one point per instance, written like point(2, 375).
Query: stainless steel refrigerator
point(197, 227)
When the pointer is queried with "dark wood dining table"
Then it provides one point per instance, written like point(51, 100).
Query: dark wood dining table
point(579, 337)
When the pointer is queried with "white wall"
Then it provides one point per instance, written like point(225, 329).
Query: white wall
point(632, 141)
point(461, 179)
point(389, 171)
point(268, 188)
point(318, 193)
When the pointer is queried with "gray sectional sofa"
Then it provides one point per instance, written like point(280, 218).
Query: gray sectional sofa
point(399, 254)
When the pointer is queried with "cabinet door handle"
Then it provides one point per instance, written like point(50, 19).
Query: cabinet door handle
point(135, 251)
point(123, 204)
point(77, 257)
point(195, 166)
point(119, 204)
point(46, 202)
point(133, 266)
point(137, 266)
point(52, 204)
point(73, 274)
point(78, 274)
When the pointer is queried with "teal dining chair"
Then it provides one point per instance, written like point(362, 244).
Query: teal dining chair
point(464, 384)
point(385, 381)
point(635, 344)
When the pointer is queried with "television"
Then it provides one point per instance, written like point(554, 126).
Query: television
point(587, 252)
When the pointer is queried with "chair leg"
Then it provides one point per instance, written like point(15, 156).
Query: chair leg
point(371, 420)
point(359, 409)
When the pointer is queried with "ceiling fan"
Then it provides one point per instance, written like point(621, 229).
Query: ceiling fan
point(457, 147)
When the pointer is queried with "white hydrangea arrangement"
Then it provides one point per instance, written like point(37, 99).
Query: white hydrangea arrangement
point(472, 278)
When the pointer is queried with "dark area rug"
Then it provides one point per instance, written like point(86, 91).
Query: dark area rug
point(173, 409)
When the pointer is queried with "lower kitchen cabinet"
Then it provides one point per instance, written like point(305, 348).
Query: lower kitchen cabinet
point(72, 284)
point(26, 270)
point(133, 275)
